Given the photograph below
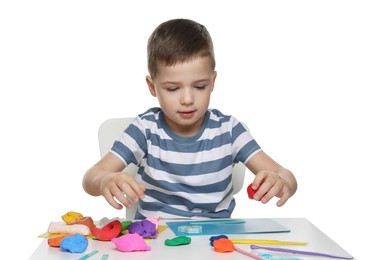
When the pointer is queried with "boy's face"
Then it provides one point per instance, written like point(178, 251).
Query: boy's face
point(183, 92)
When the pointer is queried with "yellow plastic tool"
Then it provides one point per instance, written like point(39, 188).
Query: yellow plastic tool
point(266, 242)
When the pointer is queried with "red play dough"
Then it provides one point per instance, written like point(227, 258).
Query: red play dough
point(251, 192)
point(108, 232)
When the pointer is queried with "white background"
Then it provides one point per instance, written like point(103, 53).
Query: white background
point(301, 74)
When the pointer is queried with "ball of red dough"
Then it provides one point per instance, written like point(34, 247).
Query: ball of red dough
point(251, 192)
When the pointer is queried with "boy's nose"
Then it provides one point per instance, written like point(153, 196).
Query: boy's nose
point(186, 97)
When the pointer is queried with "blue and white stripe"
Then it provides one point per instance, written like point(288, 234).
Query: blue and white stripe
point(185, 176)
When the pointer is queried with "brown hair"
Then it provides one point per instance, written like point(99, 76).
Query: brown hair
point(178, 40)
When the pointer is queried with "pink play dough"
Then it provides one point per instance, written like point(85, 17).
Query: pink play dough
point(154, 220)
point(131, 242)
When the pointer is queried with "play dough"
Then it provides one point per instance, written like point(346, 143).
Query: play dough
point(69, 229)
point(55, 241)
point(71, 216)
point(223, 245)
point(88, 221)
point(74, 244)
point(251, 192)
point(126, 224)
point(131, 242)
point(108, 232)
point(144, 228)
point(154, 220)
point(213, 238)
point(177, 241)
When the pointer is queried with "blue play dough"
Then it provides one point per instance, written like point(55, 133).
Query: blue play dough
point(74, 244)
point(213, 238)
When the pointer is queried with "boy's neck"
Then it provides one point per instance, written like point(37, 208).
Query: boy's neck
point(185, 130)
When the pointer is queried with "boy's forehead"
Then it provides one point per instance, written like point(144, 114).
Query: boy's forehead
point(197, 66)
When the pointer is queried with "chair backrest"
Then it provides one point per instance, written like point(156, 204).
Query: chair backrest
point(111, 129)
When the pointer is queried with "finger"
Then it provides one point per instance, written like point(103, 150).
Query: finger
point(133, 190)
point(263, 190)
point(269, 195)
point(120, 196)
point(272, 191)
point(283, 199)
point(109, 198)
point(138, 188)
point(259, 179)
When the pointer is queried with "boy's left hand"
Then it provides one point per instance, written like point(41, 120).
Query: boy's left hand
point(270, 184)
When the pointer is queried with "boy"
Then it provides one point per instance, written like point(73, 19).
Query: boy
point(184, 150)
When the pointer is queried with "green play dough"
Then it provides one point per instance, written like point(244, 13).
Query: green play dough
point(125, 224)
point(181, 240)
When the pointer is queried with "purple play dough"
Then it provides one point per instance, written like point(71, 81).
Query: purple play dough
point(144, 228)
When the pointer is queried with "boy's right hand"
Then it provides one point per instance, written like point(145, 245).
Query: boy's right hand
point(118, 186)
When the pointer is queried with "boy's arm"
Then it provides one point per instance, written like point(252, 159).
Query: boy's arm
point(271, 179)
point(107, 179)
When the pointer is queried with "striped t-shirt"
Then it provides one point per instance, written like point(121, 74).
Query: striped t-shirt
point(185, 176)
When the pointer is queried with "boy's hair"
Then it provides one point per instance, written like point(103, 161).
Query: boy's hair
point(178, 40)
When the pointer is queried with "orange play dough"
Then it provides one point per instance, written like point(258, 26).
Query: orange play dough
point(55, 241)
point(88, 221)
point(223, 245)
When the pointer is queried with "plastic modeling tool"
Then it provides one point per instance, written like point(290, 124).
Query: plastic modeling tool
point(190, 229)
point(88, 255)
point(251, 255)
point(218, 222)
point(284, 250)
point(105, 257)
point(267, 242)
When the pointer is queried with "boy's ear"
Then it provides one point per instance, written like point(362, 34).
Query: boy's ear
point(214, 77)
point(151, 86)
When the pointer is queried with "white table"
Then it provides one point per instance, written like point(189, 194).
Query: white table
point(200, 249)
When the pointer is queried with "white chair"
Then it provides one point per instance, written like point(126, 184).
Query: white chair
point(111, 129)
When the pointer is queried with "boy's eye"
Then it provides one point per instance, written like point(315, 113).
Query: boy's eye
point(200, 86)
point(171, 89)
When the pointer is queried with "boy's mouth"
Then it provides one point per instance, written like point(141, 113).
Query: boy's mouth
point(187, 114)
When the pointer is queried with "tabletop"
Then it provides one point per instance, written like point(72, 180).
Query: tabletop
point(300, 230)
